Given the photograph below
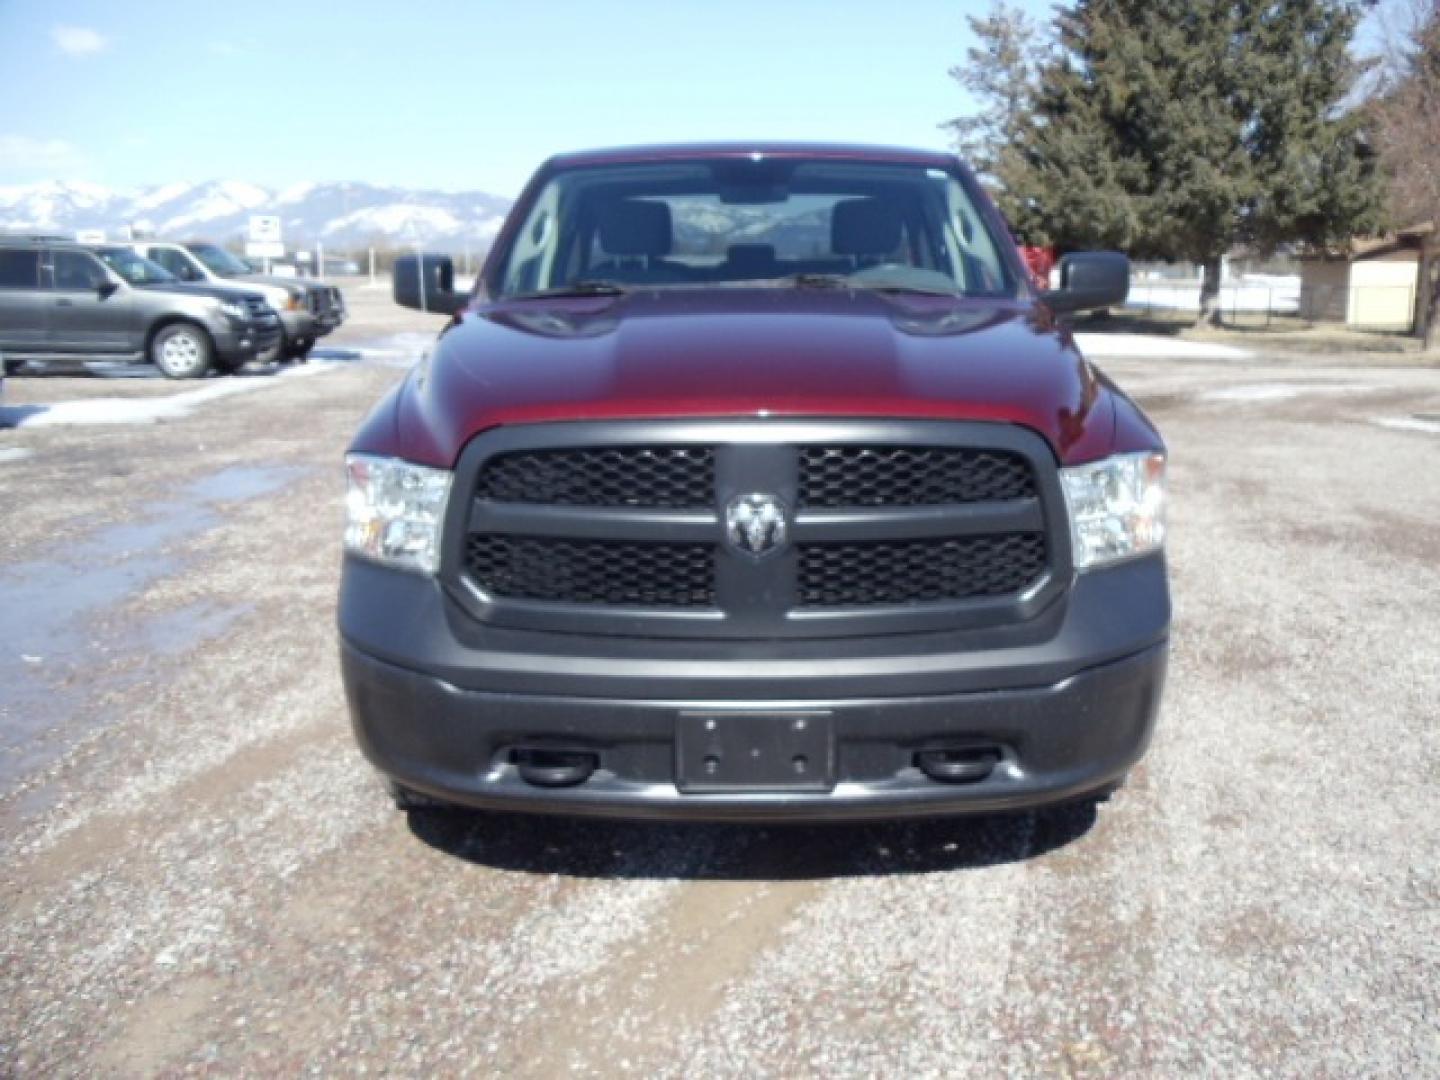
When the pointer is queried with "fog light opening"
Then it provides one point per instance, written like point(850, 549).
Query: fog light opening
point(547, 767)
point(958, 765)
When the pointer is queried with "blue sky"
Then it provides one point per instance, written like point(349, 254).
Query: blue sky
point(460, 96)
point(452, 95)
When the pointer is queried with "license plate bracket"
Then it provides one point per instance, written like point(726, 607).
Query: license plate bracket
point(754, 751)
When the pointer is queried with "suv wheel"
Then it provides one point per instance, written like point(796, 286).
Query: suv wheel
point(181, 351)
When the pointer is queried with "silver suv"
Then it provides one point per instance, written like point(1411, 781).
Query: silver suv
point(70, 302)
point(308, 309)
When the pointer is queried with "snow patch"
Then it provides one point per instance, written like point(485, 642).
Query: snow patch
point(295, 192)
point(13, 453)
point(400, 219)
point(1281, 391)
point(1156, 345)
point(93, 411)
point(1409, 423)
point(163, 194)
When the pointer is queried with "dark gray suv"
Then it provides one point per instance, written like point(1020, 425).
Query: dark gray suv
point(71, 302)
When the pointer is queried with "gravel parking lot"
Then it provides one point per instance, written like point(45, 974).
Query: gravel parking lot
point(199, 873)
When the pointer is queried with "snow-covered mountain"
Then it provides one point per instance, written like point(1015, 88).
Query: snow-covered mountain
point(339, 214)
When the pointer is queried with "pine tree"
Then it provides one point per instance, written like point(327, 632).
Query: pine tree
point(1002, 74)
point(1179, 129)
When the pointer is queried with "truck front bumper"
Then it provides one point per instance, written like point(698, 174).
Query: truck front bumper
point(243, 341)
point(1063, 708)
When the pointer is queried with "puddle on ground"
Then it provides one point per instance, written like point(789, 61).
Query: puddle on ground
point(333, 355)
point(51, 640)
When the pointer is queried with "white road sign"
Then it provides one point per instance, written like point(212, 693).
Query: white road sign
point(264, 229)
point(264, 249)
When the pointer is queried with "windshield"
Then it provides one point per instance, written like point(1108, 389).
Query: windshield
point(768, 222)
point(218, 260)
point(133, 268)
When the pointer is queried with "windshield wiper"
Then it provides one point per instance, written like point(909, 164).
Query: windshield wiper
point(576, 288)
point(815, 281)
point(843, 281)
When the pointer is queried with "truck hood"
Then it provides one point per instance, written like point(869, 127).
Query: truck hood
point(753, 352)
point(195, 288)
point(290, 285)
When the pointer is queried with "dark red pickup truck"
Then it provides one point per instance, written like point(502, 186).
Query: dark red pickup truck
point(755, 482)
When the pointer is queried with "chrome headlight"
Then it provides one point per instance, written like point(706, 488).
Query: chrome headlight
point(1117, 508)
point(394, 511)
point(236, 310)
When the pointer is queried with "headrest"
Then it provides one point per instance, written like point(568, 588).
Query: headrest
point(755, 260)
point(864, 227)
point(632, 227)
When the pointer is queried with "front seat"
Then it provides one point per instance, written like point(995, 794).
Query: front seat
point(867, 231)
point(636, 235)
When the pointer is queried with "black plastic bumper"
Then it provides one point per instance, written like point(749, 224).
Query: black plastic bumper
point(244, 341)
point(1066, 703)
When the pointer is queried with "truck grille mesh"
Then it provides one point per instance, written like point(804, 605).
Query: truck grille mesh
point(893, 527)
point(609, 572)
point(664, 477)
point(835, 476)
point(905, 572)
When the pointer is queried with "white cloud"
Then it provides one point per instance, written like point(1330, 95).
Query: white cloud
point(24, 154)
point(78, 40)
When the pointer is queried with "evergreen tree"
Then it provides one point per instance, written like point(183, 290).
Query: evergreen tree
point(1002, 74)
point(1179, 129)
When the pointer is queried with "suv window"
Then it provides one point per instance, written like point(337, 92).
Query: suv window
point(173, 261)
point(19, 269)
point(76, 270)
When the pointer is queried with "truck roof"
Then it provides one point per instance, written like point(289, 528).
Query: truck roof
point(690, 151)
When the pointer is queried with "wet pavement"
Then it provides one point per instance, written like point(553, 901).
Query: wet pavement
point(49, 607)
point(200, 874)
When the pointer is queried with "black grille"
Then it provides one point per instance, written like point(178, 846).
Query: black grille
point(593, 571)
point(668, 477)
point(914, 571)
point(910, 476)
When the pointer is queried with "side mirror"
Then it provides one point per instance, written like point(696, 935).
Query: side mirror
point(106, 289)
point(427, 283)
point(1089, 280)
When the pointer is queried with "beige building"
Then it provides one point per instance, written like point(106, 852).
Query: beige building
point(1372, 284)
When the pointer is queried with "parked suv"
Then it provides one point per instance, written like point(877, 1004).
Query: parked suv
point(308, 309)
point(68, 301)
point(755, 482)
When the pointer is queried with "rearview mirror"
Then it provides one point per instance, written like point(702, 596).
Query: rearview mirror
point(1089, 280)
point(427, 283)
point(106, 289)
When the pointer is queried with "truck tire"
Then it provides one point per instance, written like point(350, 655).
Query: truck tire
point(300, 350)
point(231, 365)
point(182, 351)
point(276, 353)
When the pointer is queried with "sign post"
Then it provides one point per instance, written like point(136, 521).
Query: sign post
point(262, 240)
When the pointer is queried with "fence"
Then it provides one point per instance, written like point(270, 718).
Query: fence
point(1266, 301)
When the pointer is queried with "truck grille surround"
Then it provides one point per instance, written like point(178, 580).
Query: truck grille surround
point(890, 526)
